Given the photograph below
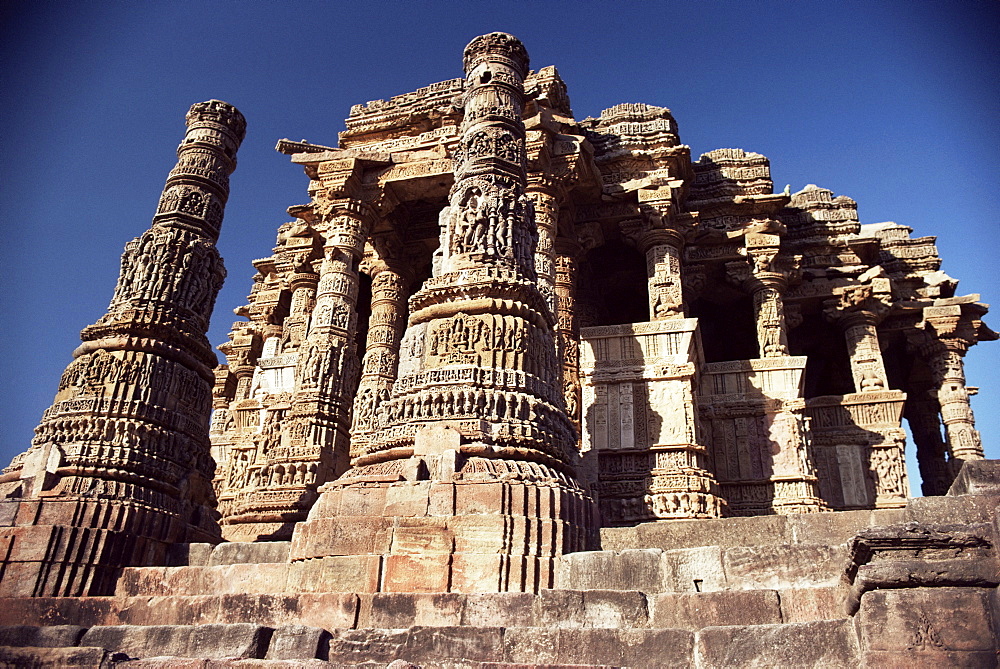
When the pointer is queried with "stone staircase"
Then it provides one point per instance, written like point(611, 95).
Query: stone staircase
point(762, 591)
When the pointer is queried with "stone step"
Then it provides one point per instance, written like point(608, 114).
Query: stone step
point(827, 644)
point(213, 555)
point(810, 528)
point(651, 570)
point(566, 609)
point(706, 568)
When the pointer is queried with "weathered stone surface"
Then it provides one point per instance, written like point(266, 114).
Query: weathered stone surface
point(342, 573)
point(26, 657)
point(250, 553)
point(926, 619)
point(947, 510)
point(200, 641)
point(613, 647)
point(977, 477)
point(43, 637)
point(732, 607)
point(813, 644)
point(298, 642)
point(193, 555)
point(41, 611)
point(694, 570)
point(628, 569)
point(590, 608)
point(776, 567)
point(800, 605)
point(398, 610)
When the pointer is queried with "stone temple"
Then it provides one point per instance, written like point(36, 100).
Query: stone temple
point(511, 390)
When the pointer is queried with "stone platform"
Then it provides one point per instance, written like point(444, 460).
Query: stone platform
point(913, 587)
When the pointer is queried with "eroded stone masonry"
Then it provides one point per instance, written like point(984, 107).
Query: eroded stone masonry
point(513, 388)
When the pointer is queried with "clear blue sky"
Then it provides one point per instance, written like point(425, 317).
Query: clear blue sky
point(892, 103)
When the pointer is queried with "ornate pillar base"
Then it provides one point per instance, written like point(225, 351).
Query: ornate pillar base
point(450, 522)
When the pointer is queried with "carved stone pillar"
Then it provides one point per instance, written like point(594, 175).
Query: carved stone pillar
point(764, 276)
point(859, 309)
point(954, 333)
point(662, 248)
point(381, 359)
point(327, 370)
point(923, 414)
point(546, 206)
point(303, 286)
point(567, 329)
point(474, 432)
point(120, 465)
point(870, 462)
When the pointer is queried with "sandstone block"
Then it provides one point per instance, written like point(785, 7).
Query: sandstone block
point(8, 512)
point(330, 611)
point(827, 644)
point(655, 648)
point(199, 641)
point(630, 569)
point(19, 579)
point(620, 538)
point(250, 553)
point(298, 642)
point(407, 609)
point(349, 646)
point(613, 647)
point(189, 555)
point(272, 610)
point(777, 567)
point(344, 535)
point(963, 509)
point(472, 497)
point(590, 608)
point(170, 610)
point(799, 605)
point(363, 500)
point(416, 573)
point(441, 501)
point(977, 477)
point(189, 581)
point(837, 528)
point(715, 532)
point(340, 573)
point(55, 636)
point(498, 609)
point(929, 659)
point(486, 533)
point(255, 578)
point(926, 619)
point(58, 657)
point(694, 570)
point(42, 611)
point(474, 572)
point(407, 499)
point(707, 609)
point(471, 644)
point(422, 536)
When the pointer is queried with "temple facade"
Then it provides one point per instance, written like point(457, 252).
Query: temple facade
point(512, 388)
point(476, 268)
